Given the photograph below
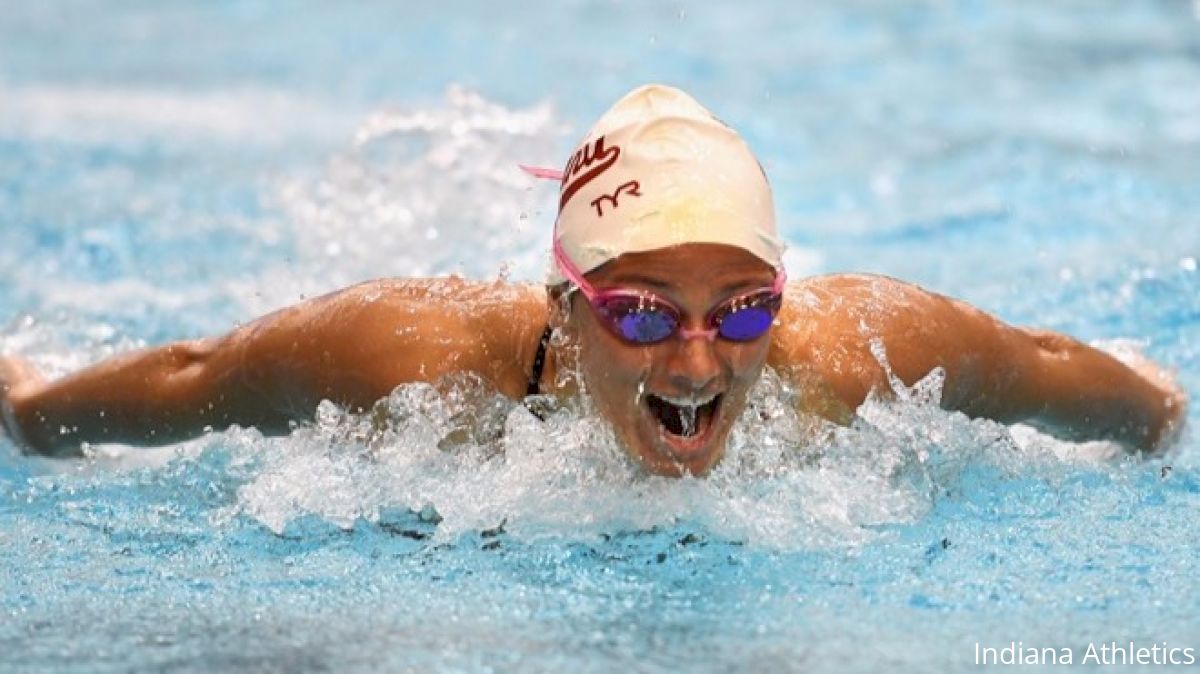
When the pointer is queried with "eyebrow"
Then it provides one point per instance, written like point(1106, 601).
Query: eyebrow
point(642, 279)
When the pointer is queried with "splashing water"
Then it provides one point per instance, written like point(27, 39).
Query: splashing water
point(687, 419)
point(416, 191)
point(480, 461)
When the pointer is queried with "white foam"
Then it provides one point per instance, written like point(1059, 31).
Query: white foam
point(788, 481)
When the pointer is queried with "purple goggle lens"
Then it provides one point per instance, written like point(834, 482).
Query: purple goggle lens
point(645, 319)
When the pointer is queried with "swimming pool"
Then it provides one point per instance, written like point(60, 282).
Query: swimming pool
point(167, 171)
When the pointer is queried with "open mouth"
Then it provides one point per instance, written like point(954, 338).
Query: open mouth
point(684, 418)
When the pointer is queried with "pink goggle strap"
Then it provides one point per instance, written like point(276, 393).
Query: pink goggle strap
point(542, 172)
point(572, 272)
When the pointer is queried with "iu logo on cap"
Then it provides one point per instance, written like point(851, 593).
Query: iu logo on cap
point(582, 161)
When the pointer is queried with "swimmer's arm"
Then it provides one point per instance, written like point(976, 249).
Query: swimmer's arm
point(352, 347)
point(993, 370)
point(1048, 380)
point(1078, 392)
point(148, 397)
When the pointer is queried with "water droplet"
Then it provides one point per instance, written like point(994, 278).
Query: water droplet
point(687, 419)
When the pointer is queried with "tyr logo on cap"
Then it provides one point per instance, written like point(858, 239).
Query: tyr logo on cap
point(583, 158)
point(631, 188)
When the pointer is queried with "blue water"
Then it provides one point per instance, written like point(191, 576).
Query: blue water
point(171, 170)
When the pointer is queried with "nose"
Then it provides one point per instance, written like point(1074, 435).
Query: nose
point(694, 365)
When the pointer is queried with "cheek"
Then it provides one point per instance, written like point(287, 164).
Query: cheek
point(746, 364)
point(747, 360)
point(611, 370)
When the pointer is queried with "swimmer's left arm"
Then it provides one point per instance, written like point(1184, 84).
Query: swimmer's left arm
point(1078, 392)
point(993, 370)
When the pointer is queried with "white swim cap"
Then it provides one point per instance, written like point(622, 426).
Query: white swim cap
point(659, 170)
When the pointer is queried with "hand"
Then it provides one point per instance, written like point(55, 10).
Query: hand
point(16, 374)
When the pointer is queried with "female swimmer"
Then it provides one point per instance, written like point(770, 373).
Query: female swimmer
point(667, 300)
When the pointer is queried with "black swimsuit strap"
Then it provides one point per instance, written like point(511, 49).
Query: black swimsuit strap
point(539, 362)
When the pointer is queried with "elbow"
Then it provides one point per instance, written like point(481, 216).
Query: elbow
point(182, 374)
point(194, 383)
point(191, 355)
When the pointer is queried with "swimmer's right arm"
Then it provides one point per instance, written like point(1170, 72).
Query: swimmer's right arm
point(148, 397)
point(351, 347)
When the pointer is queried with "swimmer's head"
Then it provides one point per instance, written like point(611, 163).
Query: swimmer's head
point(659, 170)
point(664, 199)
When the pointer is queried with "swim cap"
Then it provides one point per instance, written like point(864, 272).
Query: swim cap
point(659, 170)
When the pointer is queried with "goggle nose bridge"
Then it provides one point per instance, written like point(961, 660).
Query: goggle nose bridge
point(709, 334)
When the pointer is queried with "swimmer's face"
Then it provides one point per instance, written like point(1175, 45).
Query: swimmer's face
point(644, 391)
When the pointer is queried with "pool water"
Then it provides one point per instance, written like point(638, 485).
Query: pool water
point(171, 170)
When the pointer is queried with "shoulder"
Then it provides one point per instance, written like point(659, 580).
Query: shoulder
point(413, 307)
point(827, 308)
point(832, 329)
point(376, 335)
point(469, 322)
point(857, 295)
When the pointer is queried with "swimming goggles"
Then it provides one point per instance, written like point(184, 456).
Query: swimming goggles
point(643, 318)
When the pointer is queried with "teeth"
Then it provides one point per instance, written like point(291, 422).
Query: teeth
point(680, 415)
point(688, 402)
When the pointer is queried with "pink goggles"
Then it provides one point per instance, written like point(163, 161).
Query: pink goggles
point(641, 317)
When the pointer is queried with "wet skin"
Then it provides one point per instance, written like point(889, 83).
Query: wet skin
point(354, 346)
point(619, 375)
